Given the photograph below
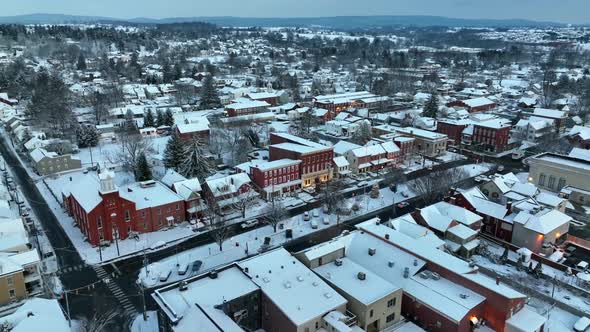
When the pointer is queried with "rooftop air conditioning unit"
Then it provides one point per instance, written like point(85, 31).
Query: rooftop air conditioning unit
point(361, 276)
point(372, 251)
point(182, 286)
point(338, 262)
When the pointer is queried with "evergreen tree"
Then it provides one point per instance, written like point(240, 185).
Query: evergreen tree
point(209, 97)
point(87, 136)
point(431, 107)
point(167, 73)
point(129, 126)
point(144, 170)
point(149, 121)
point(168, 118)
point(159, 118)
point(81, 62)
point(174, 152)
point(194, 163)
point(177, 71)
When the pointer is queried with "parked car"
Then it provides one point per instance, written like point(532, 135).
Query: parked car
point(500, 168)
point(182, 269)
point(165, 275)
point(249, 223)
point(315, 213)
point(314, 224)
point(306, 216)
point(402, 205)
point(326, 220)
point(405, 194)
point(582, 324)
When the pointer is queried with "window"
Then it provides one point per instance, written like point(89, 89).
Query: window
point(10, 281)
point(561, 183)
point(12, 293)
point(371, 313)
point(542, 180)
point(551, 181)
point(390, 318)
point(317, 325)
point(99, 222)
point(177, 206)
point(391, 302)
point(127, 215)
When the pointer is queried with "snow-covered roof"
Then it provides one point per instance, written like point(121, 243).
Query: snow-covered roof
point(303, 149)
point(298, 292)
point(187, 188)
point(39, 154)
point(187, 128)
point(580, 153)
point(345, 277)
point(462, 231)
point(421, 133)
point(582, 131)
point(152, 195)
point(227, 185)
point(549, 113)
point(340, 162)
point(442, 213)
point(526, 320)
point(543, 222)
point(478, 102)
point(243, 104)
point(37, 314)
point(270, 165)
point(342, 147)
point(171, 177)
point(482, 205)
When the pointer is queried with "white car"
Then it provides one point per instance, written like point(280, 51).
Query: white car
point(582, 324)
point(326, 221)
point(314, 224)
point(249, 223)
point(315, 213)
point(306, 216)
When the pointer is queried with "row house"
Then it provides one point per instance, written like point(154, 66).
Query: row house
point(373, 157)
point(276, 178)
point(480, 104)
point(195, 130)
point(579, 136)
point(427, 143)
point(492, 135)
point(453, 128)
point(532, 129)
point(246, 107)
point(272, 98)
point(316, 159)
point(227, 191)
point(105, 212)
point(341, 102)
point(405, 144)
point(559, 117)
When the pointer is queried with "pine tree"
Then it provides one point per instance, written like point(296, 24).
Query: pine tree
point(87, 136)
point(129, 125)
point(174, 152)
point(159, 118)
point(144, 170)
point(149, 121)
point(81, 62)
point(168, 118)
point(194, 163)
point(209, 97)
point(431, 107)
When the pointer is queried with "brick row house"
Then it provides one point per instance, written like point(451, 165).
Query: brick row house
point(492, 135)
point(316, 159)
point(473, 105)
point(337, 103)
point(246, 107)
point(276, 178)
point(104, 212)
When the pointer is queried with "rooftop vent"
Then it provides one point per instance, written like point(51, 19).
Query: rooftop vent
point(213, 274)
point(182, 286)
point(415, 262)
point(338, 262)
point(386, 236)
point(435, 275)
point(406, 272)
point(147, 184)
point(424, 275)
point(391, 263)
point(361, 276)
point(372, 251)
point(328, 295)
point(287, 284)
point(300, 278)
point(463, 296)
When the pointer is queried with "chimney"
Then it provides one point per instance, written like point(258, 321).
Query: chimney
point(372, 251)
point(361, 276)
point(386, 236)
point(497, 280)
point(509, 207)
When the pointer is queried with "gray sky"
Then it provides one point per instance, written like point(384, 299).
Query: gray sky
point(567, 11)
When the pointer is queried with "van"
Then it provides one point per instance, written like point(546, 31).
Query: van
point(165, 275)
point(582, 324)
point(182, 269)
point(314, 224)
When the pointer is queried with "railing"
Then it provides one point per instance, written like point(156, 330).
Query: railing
point(351, 318)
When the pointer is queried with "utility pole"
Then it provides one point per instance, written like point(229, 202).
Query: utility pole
point(144, 309)
point(99, 249)
point(68, 310)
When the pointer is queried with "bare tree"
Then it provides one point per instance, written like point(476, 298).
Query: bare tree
point(547, 86)
point(217, 225)
point(132, 146)
point(219, 142)
point(99, 321)
point(434, 185)
point(245, 200)
point(331, 194)
point(274, 214)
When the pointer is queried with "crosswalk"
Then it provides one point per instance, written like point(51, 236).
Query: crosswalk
point(116, 290)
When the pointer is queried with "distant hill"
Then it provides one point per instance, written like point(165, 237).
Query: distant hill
point(335, 22)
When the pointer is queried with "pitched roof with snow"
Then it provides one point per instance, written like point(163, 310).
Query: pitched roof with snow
point(227, 185)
